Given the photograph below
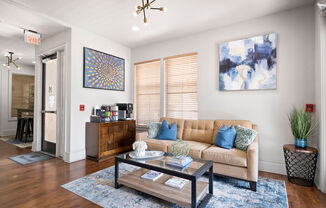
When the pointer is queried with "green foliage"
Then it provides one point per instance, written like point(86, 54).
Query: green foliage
point(301, 123)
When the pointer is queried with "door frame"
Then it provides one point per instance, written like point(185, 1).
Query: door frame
point(61, 144)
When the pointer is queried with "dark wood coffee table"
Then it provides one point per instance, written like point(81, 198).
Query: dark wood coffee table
point(197, 193)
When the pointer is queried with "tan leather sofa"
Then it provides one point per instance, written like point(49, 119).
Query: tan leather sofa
point(200, 135)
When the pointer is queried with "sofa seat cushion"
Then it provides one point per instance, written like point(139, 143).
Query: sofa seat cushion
point(160, 145)
point(232, 156)
point(196, 148)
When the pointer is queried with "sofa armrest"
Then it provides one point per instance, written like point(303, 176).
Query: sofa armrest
point(141, 136)
point(252, 158)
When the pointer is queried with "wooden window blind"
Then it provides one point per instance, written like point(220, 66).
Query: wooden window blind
point(181, 86)
point(147, 92)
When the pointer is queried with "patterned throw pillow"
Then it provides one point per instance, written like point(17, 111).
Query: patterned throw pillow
point(153, 129)
point(244, 138)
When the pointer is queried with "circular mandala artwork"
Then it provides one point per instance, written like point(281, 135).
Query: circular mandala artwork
point(103, 71)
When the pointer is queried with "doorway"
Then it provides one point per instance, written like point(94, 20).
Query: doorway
point(49, 104)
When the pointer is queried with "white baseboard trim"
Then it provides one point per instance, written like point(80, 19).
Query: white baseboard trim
point(9, 132)
point(74, 156)
point(272, 167)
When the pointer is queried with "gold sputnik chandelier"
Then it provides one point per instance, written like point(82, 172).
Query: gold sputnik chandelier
point(11, 60)
point(147, 5)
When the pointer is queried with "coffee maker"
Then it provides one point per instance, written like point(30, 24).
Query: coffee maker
point(128, 108)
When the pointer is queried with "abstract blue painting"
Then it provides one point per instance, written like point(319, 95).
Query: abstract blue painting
point(103, 71)
point(248, 64)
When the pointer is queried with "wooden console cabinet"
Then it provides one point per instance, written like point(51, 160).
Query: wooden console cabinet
point(105, 139)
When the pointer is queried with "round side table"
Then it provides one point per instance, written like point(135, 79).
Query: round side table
point(300, 164)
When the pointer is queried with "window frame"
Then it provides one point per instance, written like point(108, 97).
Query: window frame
point(165, 91)
point(163, 83)
point(142, 125)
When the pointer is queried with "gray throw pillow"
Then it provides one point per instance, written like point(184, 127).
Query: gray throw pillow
point(153, 129)
point(244, 138)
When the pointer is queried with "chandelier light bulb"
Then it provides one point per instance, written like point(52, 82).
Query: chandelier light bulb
point(163, 9)
point(135, 14)
point(19, 58)
point(4, 64)
point(18, 68)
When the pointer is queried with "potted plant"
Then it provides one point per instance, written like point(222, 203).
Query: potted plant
point(302, 125)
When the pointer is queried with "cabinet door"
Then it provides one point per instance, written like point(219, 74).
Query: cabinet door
point(130, 133)
point(106, 139)
point(116, 137)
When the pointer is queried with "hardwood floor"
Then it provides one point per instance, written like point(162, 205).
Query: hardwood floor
point(38, 185)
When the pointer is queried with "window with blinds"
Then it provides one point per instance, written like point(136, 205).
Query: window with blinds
point(181, 86)
point(147, 92)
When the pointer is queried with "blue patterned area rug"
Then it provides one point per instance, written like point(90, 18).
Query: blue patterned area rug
point(99, 188)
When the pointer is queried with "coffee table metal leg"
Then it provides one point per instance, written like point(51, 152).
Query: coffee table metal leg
point(194, 193)
point(116, 174)
point(211, 179)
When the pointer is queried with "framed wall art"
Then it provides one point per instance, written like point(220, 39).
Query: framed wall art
point(103, 71)
point(248, 64)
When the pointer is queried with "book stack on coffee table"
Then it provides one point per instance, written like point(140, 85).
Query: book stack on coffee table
point(181, 162)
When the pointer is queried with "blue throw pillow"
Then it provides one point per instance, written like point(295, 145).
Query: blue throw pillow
point(225, 137)
point(166, 132)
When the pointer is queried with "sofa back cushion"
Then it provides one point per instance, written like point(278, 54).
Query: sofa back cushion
point(198, 130)
point(180, 125)
point(220, 123)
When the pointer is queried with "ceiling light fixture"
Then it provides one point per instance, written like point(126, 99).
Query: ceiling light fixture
point(147, 5)
point(10, 60)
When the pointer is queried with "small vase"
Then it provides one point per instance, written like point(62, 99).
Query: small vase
point(302, 143)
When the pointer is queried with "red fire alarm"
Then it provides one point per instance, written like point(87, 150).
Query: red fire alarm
point(81, 107)
point(310, 108)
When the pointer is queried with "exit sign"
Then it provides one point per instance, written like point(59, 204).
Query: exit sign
point(32, 37)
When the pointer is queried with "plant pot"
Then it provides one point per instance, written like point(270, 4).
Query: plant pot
point(301, 143)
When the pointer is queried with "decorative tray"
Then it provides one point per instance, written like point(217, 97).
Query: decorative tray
point(148, 155)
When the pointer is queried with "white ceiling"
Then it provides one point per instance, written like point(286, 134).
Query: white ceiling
point(114, 19)
point(13, 18)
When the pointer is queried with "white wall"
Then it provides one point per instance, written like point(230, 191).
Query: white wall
point(74, 40)
point(320, 89)
point(267, 108)
point(91, 97)
point(8, 125)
